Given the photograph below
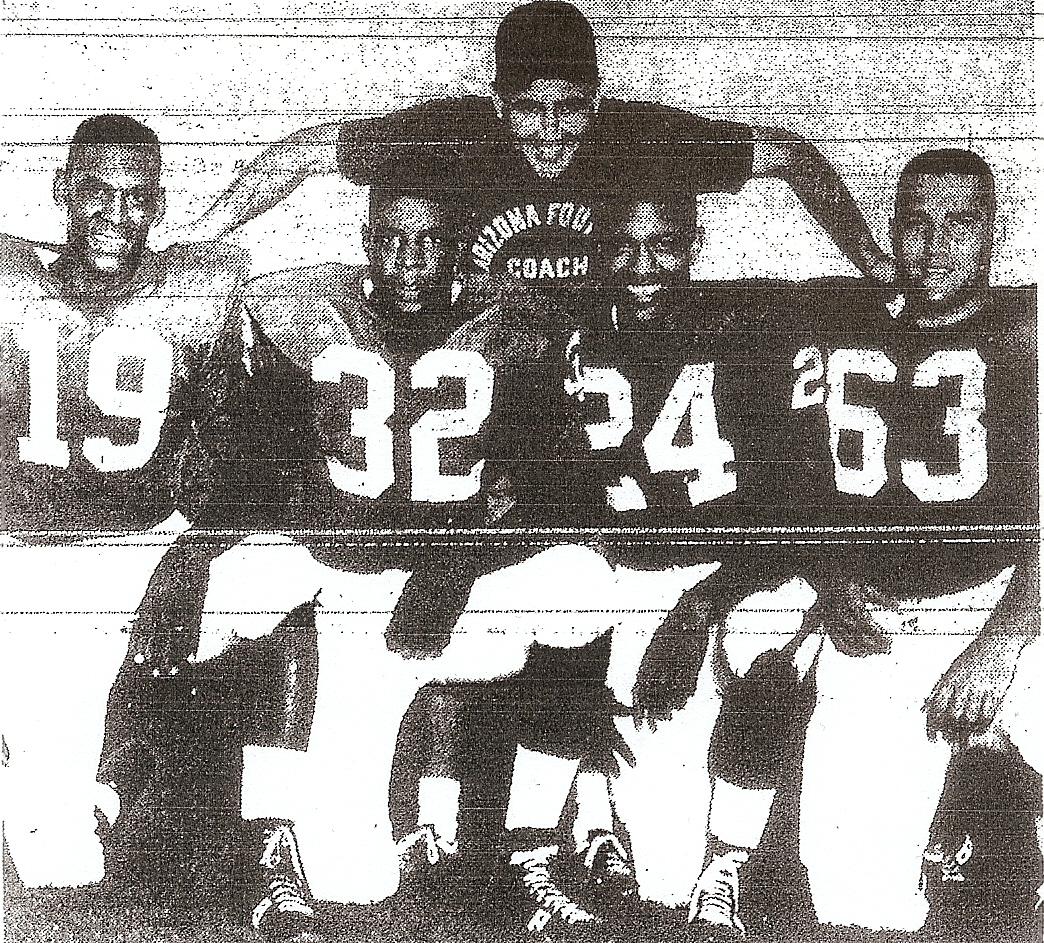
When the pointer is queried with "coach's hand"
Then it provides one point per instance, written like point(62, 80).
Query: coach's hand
point(968, 695)
point(845, 611)
point(671, 666)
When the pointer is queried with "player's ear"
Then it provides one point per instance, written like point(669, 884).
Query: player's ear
point(60, 187)
point(161, 204)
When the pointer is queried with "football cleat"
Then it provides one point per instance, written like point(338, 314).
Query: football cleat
point(426, 864)
point(285, 910)
point(531, 871)
point(608, 876)
point(423, 847)
point(714, 909)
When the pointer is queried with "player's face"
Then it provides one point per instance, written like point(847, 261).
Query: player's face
point(648, 254)
point(548, 120)
point(113, 197)
point(411, 253)
point(943, 237)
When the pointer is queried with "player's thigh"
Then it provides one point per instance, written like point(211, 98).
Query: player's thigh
point(872, 776)
point(564, 596)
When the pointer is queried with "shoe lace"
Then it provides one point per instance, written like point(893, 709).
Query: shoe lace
point(949, 865)
point(717, 893)
point(541, 887)
point(284, 893)
point(435, 847)
point(606, 855)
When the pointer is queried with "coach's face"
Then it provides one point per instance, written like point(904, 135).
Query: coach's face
point(943, 237)
point(648, 254)
point(112, 195)
point(548, 120)
point(411, 253)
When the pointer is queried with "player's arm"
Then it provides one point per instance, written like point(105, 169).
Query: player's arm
point(818, 186)
point(970, 692)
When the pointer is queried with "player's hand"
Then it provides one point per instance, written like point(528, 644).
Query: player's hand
point(428, 608)
point(967, 697)
point(670, 667)
point(165, 629)
point(609, 744)
point(881, 269)
point(844, 609)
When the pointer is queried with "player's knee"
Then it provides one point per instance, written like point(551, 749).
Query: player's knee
point(762, 717)
point(563, 699)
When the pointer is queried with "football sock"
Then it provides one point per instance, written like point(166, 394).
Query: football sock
point(594, 810)
point(540, 786)
point(438, 805)
point(738, 816)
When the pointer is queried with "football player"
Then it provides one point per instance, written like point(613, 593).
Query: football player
point(914, 421)
point(111, 438)
point(659, 377)
point(405, 412)
point(539, 154)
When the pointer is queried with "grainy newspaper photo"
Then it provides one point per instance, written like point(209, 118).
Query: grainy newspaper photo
point(489, 472)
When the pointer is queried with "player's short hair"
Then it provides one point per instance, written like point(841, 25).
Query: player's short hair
point(544, 39)
point(114, 129)
point(952, 160)
point(434, 182)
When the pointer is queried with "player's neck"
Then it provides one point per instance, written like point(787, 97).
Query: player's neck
point(83, 283)
point(960, 313)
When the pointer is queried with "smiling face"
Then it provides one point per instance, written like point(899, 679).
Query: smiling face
point(649, 253)
point(411, 252)
point(112, 195)
point(548, 120)
point(943, 237)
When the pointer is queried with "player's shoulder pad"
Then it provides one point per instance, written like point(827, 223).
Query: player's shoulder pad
point(304, 310)
point(743, 304)
point(649, 121)
point(23, 277)
point(509, 324)
point(205, 268)
point(20, 265)
point(1012, 326)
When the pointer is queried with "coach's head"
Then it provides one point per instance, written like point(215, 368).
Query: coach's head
point(942, 232)
point(546, 83)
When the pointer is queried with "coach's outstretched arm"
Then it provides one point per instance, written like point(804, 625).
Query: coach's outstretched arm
point(816, 183)
point(269, 180)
